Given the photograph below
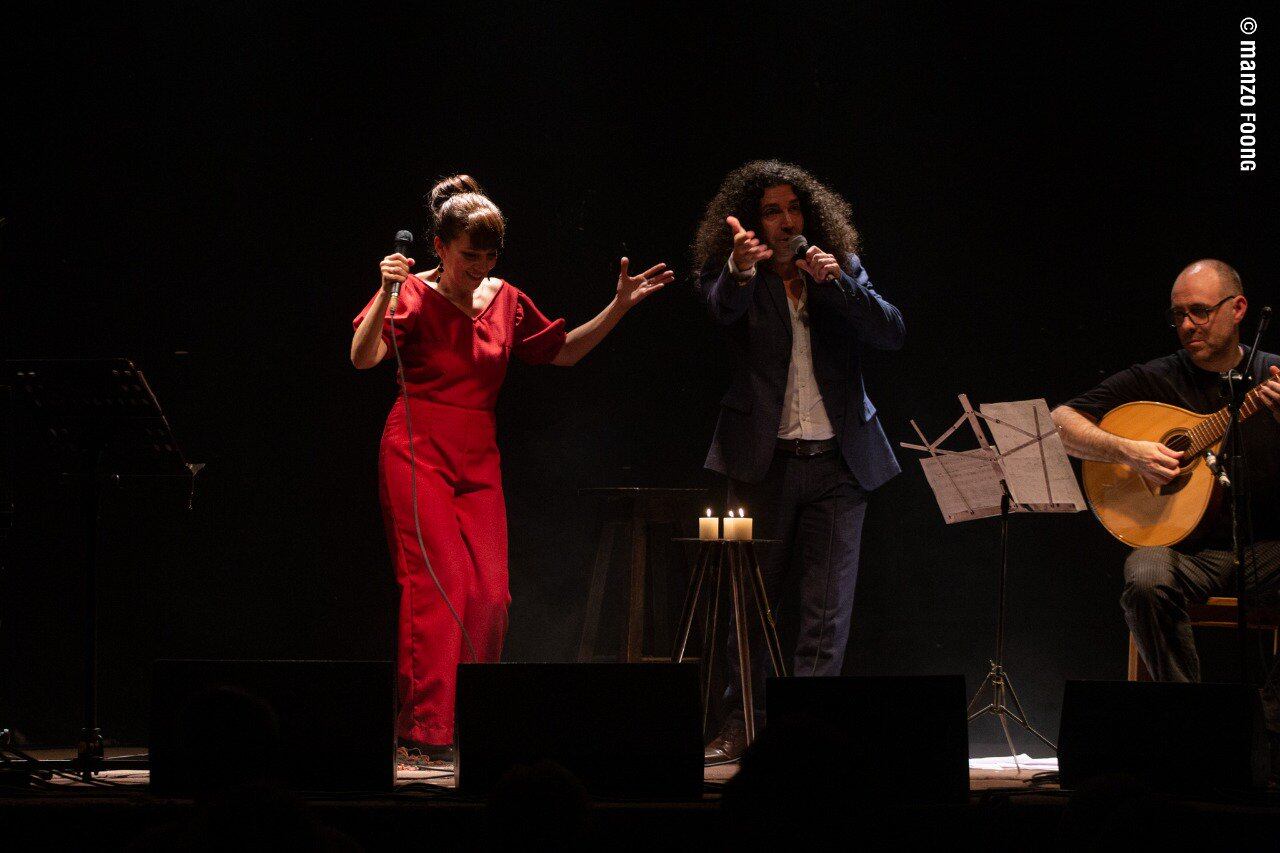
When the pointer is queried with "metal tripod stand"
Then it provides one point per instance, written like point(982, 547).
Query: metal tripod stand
point(997, 681)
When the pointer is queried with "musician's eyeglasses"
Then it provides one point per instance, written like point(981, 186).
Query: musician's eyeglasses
point(1199, 314)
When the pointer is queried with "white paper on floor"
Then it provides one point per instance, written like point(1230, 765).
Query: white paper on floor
point(1006, 762)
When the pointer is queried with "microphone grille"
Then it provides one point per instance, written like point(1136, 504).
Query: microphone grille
point(798, 245)
point(404, 236)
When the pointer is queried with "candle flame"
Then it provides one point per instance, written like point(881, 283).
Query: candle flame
point(741, 513)
point(708, 512)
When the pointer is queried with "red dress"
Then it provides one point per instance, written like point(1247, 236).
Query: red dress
point(454, 366)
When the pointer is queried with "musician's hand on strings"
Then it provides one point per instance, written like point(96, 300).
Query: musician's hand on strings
point(1153, 461)
point(1269, 392)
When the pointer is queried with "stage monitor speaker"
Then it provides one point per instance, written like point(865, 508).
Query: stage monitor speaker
point(309, 725)
point(1182, 738)
point(632, 730)
point(908, 736)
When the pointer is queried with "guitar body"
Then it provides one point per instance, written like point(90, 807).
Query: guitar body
point(1130, 510)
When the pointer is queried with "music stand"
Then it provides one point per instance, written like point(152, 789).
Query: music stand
point(1027, 471)
point(102, 424)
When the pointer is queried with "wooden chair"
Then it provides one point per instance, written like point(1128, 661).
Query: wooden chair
point(1217, 612)
point(632, 517)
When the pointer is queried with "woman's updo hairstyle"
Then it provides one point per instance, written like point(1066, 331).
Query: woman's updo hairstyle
point(457, 205)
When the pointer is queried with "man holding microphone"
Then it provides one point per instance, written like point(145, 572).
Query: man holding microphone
point(797, 437)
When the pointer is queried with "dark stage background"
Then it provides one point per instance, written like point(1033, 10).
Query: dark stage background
point(207, 188)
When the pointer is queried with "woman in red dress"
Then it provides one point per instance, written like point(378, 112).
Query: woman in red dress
point(456, 329)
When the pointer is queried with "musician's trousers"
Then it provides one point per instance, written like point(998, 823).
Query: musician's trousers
point(814, 508)
point(1159, 585)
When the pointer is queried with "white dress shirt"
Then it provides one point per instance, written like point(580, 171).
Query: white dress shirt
point(803, 413)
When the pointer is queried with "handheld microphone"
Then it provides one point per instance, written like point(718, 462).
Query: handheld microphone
point(403, 246)
point(799, 246)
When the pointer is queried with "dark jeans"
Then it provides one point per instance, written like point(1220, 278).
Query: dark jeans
point(1159, 584)
point(815, 508)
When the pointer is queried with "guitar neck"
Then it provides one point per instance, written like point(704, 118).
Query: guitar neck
point(1210, 430)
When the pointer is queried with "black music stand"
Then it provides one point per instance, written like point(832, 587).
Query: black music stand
point(102, 424)
point(1026, 471)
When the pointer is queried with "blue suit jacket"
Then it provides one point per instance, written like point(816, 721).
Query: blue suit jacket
point(843, 317)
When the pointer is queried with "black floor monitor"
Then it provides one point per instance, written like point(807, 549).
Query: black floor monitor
point(1186, 738)
point(630, 730)
point(907, 737)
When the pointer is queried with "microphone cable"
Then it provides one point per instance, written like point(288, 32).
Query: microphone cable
point(413, 481)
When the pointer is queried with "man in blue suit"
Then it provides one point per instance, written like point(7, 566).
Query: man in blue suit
point(797, 436)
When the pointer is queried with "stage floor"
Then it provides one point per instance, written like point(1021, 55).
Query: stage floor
point(1006, 801)
point(994, 773)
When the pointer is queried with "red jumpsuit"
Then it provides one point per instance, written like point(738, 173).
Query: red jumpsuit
point(454, 366)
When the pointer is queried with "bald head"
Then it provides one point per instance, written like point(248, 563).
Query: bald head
point(1208, 269)
point(1206, 307)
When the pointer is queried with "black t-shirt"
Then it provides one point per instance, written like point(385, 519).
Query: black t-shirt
point(1176, 380)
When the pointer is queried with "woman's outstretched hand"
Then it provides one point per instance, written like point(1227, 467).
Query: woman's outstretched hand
point(633, 288)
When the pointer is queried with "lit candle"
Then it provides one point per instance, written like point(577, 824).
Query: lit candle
point(709, 527)
point(744, 525)
point(730, 526)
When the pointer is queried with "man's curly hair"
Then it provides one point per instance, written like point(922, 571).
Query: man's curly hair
point(827, 218)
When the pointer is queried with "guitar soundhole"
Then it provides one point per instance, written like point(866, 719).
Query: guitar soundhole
point(1179, 440)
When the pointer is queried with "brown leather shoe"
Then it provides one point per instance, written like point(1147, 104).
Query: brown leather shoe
point(727, 746)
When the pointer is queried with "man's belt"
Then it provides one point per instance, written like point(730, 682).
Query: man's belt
point(804, 447)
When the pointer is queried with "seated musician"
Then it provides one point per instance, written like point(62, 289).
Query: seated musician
point(1207, 305)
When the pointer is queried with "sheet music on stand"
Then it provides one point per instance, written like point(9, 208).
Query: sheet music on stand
point(1027, 455)
point(966, 484)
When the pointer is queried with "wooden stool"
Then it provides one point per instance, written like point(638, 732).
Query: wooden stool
point(1217, 612)
point(630, 513)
